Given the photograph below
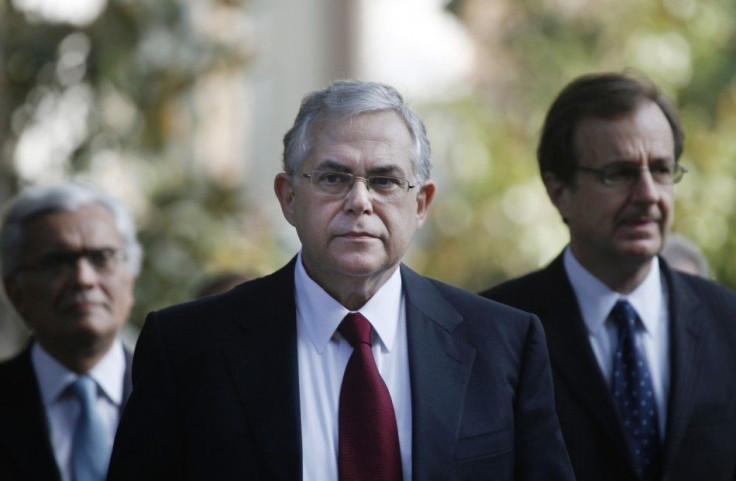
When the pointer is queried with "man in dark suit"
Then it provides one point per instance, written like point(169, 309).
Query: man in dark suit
point(643, 357)
point(70, 257)
point(262, 382)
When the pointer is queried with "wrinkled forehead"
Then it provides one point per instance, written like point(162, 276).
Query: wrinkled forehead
point(89, 225)
point(643, 132)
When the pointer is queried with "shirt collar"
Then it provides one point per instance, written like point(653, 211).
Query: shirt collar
point(54, 378)
point(321, 314)
point(596, 299)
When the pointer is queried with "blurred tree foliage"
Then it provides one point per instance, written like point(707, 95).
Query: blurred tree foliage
point(492, 219)
point(117, 99)
point(131, 87)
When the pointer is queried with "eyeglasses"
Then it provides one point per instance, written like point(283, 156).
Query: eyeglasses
point(103, 261)
point(628, 174)
point(338, 184)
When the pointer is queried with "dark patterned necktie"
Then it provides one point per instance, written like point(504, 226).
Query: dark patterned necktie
point(92, 445)
point(368, 438)
point(633, 394)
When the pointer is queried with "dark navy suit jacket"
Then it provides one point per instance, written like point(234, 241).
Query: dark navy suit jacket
point(700, 439)
point(216, 389)
point(25, 448)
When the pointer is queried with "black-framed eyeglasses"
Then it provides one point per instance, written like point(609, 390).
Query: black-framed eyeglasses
point(338, 184)
point(104, 261)
point(628, 174)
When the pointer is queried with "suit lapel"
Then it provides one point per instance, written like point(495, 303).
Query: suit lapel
point(440, 367)
point(264, 367)
point(571, 355)
point(23, 415)
point(685, 335)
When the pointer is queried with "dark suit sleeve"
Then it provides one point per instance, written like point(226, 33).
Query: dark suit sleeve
point(540, 449)
point(149, 441)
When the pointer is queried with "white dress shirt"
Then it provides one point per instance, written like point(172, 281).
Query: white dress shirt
point(62, 408)
point(323, 356)
point(650, 299)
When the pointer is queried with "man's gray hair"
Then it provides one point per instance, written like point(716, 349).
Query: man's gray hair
point(69, 196)
point(346, 99)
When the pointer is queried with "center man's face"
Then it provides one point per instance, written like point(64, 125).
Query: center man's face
point(358, 235)
point(75, 305)
point(609, 226)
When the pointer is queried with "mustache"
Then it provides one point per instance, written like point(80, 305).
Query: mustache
point(634, 217)
point(87, 297)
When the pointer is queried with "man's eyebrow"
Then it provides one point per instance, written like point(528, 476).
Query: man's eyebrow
point(386, 170)
point(625, 162)
point(331, 165)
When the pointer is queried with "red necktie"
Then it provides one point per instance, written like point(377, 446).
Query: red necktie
point(368, 437)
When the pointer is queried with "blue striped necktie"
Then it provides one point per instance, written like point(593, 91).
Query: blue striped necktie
point(92, 444)
point(633, 394)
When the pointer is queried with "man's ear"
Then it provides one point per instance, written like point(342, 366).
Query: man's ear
point(557, 191)
point(283, 186)
point(424, 198)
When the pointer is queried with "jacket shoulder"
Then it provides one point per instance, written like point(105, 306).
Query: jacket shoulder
point(520, 292)
point(202, 323)
point(711, 292)
point(466, 301)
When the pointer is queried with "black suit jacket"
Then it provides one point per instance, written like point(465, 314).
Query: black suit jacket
point(216, 389)
point(25, 449)
point(700, 440)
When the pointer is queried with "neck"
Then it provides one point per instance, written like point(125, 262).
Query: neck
point(350, 291)
point(621, 277)
point(76, 359)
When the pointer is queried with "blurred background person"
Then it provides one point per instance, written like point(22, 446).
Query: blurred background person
point(70, 258)
point(179, 113)
point(684, 255)
point(643, 357)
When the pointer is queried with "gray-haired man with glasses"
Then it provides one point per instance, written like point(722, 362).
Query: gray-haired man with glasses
point(643, 357)
point(70, 257)
point(344, 364)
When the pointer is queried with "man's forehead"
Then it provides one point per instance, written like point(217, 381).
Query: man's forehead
point(361, 125)
point(645, 122)
point(371, 142)
point(387, 166)
point(92, 221)
point(646, 107)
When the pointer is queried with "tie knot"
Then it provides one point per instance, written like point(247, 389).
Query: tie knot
point(624, 315)
point(85, 389)
point(356, 329)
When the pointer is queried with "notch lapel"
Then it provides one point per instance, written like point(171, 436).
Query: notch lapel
point(440, 367)
point(265, 372)
point(23, 424)
point(685, 354)
point(571, 355)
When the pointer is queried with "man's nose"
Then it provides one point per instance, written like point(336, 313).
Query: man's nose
point(359, 196)
point(646, 188)
point(83, 271)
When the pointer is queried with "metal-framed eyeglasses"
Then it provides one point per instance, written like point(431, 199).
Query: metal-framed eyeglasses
point(338, 184)
point(104, 261)
point(625, 175)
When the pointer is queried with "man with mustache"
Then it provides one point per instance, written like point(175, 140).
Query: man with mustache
point(70, 257)
point(344, 364)
point(643, 357)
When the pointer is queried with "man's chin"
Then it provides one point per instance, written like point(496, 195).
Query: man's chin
point(89, 323)
point(641, 250)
